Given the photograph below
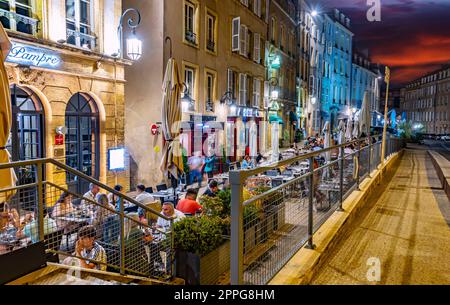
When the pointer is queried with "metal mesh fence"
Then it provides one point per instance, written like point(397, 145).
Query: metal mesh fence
point(281, 211)
point(103, 232)
point(17, 206)
point(273, 226)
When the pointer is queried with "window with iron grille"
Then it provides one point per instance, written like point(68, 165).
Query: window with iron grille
point(189, 79)
point(210, 33)
point(17, 15)
point(189, 23)
point(209, 92)
point(79, 23)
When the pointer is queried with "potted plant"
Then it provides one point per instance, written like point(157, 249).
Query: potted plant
point(202, 256)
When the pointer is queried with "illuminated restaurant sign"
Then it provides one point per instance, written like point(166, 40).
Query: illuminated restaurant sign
point(33, 56)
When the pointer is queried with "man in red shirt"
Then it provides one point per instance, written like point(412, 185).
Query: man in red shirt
point(188, 205)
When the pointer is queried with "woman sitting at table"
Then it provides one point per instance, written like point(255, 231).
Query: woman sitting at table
point(63, 208)
point(101, 213)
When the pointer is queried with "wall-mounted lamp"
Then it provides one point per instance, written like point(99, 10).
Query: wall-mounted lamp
point(187, 102)
point(227, 99)
point(133, 45)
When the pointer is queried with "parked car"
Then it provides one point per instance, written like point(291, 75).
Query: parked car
point(445, 138)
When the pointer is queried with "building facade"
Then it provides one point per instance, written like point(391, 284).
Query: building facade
point(282, 61)
point(312, 40)
point(365, 78)
point(426, 102)
point(337, 68)
point(220, 50)
point(62, 77)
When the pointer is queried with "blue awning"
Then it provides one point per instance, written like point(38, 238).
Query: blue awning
point(275, 118)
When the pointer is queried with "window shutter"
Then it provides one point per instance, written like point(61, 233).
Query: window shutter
point(236, 31)
point(243, 39)
point(230, 81)
point(242, 89)
point(257, 48)
point(256, 92)
point(266, 94)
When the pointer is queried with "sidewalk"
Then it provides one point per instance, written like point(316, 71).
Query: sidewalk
point(407, 227)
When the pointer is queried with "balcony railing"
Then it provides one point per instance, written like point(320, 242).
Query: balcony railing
point(20, 23)
point(191, 37)
point(81, 39)
point(211, 45)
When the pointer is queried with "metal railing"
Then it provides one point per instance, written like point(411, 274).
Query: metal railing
point(191, 37)
point(124, 236)
point(29, 24)
point(276, 209)
point(81, 39)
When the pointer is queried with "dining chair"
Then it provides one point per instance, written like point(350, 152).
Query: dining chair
point(149, 189)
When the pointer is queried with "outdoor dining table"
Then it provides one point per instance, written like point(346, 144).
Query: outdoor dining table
point(73, 223)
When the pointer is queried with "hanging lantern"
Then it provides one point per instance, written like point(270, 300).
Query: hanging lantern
point(134, 48)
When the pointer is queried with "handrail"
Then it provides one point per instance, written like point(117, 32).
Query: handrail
point(81, 175)
point(105, 187)
point(244, 174)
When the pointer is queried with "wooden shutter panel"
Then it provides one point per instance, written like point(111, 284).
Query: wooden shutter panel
point(266, 94)
point(257, 48)
point(236, 31)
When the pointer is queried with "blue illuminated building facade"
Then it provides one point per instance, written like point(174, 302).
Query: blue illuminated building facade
point(336, 82)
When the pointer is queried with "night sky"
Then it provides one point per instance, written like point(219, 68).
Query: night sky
point(413, 36)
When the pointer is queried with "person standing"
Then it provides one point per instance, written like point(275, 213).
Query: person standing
point(195, 164)
point(209, 165)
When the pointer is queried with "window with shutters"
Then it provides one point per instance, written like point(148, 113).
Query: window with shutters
point(257, 7)
point(266, 94)
point(242, 89)
point(235, 34)
point(256, 92)
point(231, 83)
point(190, 23)
point(282, 38)
point(257, 48)
point(211, 31)
point(273, 30)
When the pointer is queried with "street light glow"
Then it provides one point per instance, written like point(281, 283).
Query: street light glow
point(134, 48)
point(314, 13)
point(275, 94)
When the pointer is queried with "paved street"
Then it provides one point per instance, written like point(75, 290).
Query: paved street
point(407, 228)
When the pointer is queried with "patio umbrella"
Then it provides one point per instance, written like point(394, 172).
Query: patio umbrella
point(327, 139)
point(349, 130)
point(356, 133)
point(172, 161)
point(364, 116)
point(253, 139)
point(275, 142)
point(7, 176)
point(341, 136)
